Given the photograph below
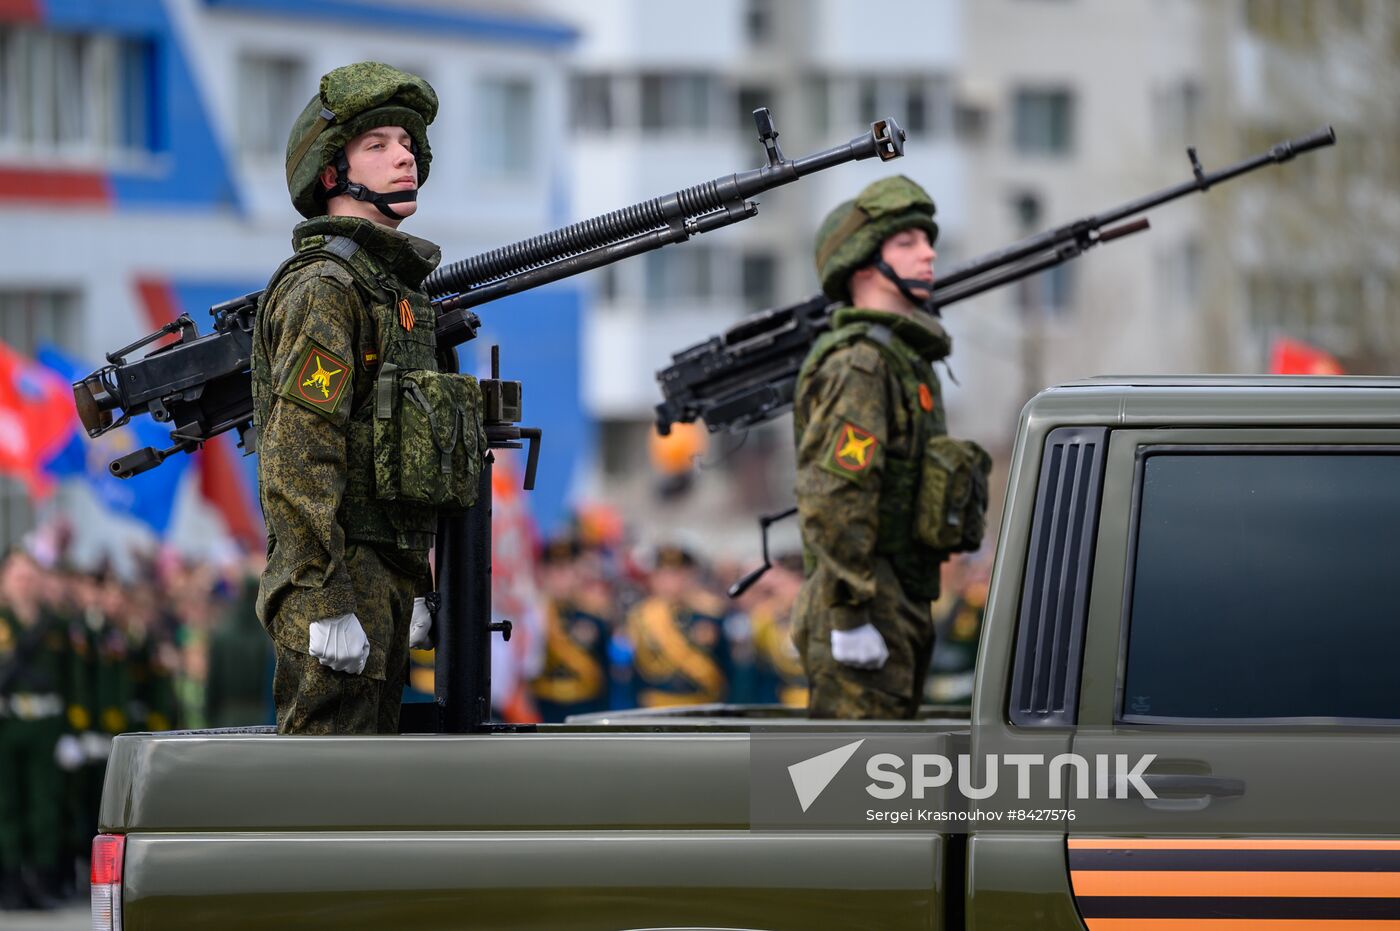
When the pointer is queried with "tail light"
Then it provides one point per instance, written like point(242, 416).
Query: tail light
point(107, 853)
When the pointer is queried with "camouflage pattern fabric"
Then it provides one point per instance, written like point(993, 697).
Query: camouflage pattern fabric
point(316, 462)
point(860, 428)
point(360, 97)
point(314, 699)
point(854, 230)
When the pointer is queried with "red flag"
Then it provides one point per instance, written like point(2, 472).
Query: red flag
point(222, 485)
point(37, 417)
point(1294, 357)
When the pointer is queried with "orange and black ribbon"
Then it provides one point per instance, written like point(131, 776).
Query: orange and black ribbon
point(405, 314)
point(1174, 884)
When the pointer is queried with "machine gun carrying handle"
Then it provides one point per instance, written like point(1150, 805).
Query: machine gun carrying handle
point(144, 459)
point(743, 585)
point(532, 435)
point(1127, 229)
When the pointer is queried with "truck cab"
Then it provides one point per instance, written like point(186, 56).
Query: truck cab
point(1196, 573)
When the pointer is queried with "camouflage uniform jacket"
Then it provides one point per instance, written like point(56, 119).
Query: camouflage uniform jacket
point(321, 335)
point(864, 404)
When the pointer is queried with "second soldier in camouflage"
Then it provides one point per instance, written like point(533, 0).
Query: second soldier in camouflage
point(871, 455)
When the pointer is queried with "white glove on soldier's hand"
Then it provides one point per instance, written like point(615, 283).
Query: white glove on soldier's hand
point(68, 753)
point(340, 643)
point(862, 648)
point(420, 629)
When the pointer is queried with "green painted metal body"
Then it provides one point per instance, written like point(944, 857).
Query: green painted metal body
point(640, 820)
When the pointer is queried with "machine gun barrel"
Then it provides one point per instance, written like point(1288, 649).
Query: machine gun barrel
point(648, 225)
point(748, 374)
point(201, 384)
point(1084, 232)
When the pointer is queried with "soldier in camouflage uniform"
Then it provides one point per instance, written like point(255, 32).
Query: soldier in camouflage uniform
point(361, 440)
point(874, 465)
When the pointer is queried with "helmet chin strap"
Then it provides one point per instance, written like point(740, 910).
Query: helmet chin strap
point(381, 201)
point(906, 287)
point(343, 185)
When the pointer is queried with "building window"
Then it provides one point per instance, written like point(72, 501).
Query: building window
point(1051, 290)
point(505, 130)
point(679, 275)
point(1044, 121)
point(267, 103)
point(920, 104)
point(818, 97)
point(1289, 22)
point(970, 122)
point(88, 97)
point(758, 279)
point(750, 98)
point(591, 102)
point(1178, 112)
point(676, 101)
point(759, 22)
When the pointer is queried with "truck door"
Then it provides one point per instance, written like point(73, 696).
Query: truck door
point(1243, 629)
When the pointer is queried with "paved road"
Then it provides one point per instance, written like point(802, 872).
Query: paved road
point(76, 917)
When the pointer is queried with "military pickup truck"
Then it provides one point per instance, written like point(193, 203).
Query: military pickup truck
point(1196, 573)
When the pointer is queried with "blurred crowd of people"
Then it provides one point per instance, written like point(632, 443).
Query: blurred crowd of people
point(172, 644)
point(621, 630)
point(87, 655)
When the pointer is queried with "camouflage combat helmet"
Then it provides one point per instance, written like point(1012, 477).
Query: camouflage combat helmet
point(851, 235)
point(354, 99)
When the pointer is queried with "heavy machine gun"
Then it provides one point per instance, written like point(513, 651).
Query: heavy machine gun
point(201, 384)
point(748, 374)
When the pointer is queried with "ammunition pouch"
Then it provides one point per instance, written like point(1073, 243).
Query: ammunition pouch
point(950, 512)
point(428, 439)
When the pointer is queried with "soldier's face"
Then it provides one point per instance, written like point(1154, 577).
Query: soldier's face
point(910, 254)
point(382, 160)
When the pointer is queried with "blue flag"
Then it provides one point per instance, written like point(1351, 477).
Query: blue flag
point(148, 497)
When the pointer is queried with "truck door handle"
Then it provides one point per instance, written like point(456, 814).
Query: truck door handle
point(1189, 792)
point(1189, 784)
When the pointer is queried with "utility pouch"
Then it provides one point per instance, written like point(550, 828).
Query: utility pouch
point(428, 439)
point(950, 513)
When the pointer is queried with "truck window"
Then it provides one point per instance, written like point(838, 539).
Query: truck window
point(1264, 585)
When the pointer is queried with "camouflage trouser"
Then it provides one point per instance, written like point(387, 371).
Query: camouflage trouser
point(840, 691)
point(314, 699)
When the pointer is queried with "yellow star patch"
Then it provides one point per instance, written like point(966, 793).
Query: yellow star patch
point(852, 451)
point(318, 379)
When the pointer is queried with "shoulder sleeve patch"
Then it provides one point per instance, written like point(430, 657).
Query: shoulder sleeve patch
point(318, 380)
point(851, 452)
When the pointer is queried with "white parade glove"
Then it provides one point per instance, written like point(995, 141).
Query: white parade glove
point(340, 643)
point(862, 648)
point(68, 753)
point(420, 629)
point(96, 747)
